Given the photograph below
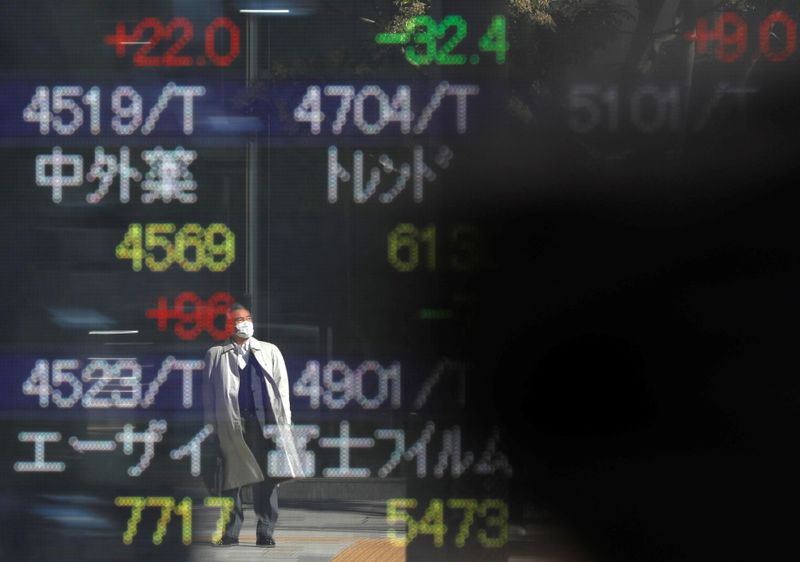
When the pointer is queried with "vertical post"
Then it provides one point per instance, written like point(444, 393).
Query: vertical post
point(251, 179)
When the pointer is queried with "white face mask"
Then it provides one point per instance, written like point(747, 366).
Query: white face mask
point(244, 329)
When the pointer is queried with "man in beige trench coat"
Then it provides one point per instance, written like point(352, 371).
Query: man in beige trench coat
point(246, 387)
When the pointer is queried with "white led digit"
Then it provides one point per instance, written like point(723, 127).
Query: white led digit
point(128, 389)
point(308, 384)
point(384, 110)
point(92, 99)
point(90, 397)
point(584, 114)
point(62, 103)
point(358, 390)
point(343, 386)
point(61, 377)
point(346, 93)
point(665, 105)
point(310, 109)
point(132, 111)
point(38, 111)
point(392, 375)
point(384, 376)
point(401, 109)
point(38, 384)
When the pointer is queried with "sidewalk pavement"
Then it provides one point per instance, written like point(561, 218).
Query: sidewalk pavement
point(307, 533)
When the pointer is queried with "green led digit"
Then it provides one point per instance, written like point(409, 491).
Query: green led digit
point(444, 56)
point(494, 40)
point(425, 38)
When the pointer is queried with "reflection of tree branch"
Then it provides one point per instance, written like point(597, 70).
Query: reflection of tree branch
point(379, 21)
point(641, 41)
point(675, 28)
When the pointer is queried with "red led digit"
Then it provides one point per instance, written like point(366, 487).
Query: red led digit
point(171, 57)
point(142, 58)
point(218, 305)
point(211, 42)
point(729, 34)
point(188, 312)
point(765, 35)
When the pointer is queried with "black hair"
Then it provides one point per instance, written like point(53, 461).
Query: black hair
point(237, 306)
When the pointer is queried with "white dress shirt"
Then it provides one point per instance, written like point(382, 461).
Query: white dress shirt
point(242, 353)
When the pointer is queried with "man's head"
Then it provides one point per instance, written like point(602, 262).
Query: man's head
point(241, 322)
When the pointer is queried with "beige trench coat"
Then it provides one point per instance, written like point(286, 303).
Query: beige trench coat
point(221, 410)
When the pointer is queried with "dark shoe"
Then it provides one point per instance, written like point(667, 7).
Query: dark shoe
point(226, 541)
point(267, 542)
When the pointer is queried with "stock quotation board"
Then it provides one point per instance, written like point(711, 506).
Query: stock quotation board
point(498, 244)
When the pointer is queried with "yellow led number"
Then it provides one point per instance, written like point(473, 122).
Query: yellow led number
point(168, 507)
point(406, 242)
point(493, 533)
point(160, 245)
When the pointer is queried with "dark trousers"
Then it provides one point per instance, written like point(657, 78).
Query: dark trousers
point(265, 494)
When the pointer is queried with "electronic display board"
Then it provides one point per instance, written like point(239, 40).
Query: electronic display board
point(510, 251)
